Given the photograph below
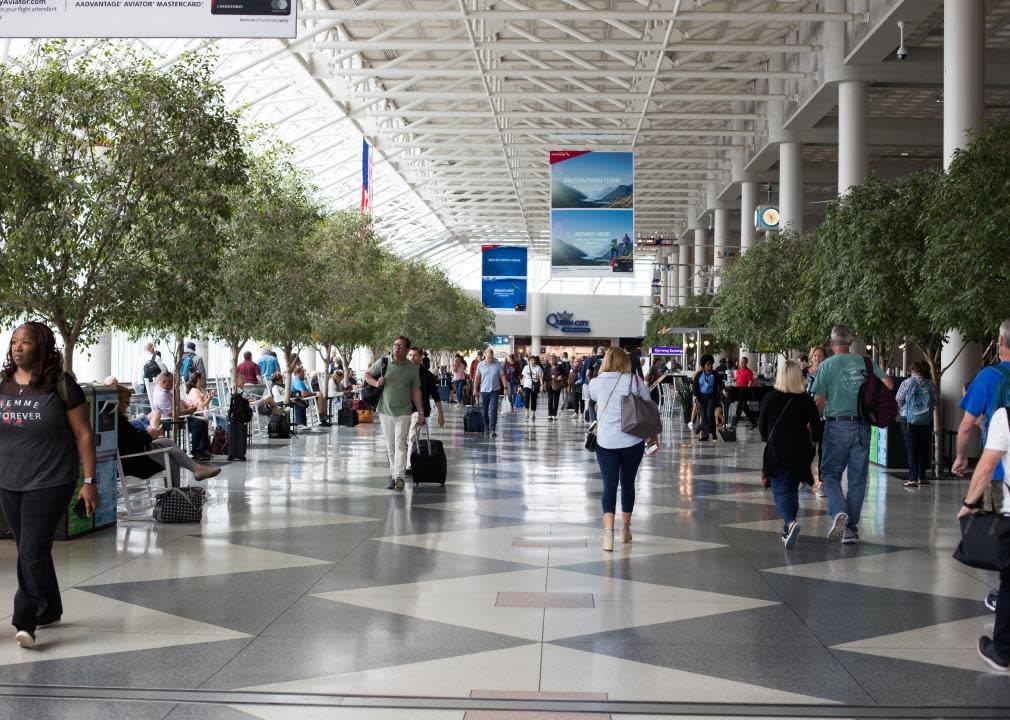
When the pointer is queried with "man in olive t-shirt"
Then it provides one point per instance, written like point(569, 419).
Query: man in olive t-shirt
point(846, 442)
point(401, 389)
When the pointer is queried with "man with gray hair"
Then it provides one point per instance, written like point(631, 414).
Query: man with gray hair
point(982, 399)
point(846, 442)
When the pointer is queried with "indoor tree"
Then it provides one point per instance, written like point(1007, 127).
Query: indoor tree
point(125, 153)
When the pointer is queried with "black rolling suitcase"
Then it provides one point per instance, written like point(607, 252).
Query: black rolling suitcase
point(238, 440)
point(347, 417)
point(427, 460)
point(472, 420)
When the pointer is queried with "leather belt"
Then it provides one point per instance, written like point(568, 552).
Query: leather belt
point(844, 417)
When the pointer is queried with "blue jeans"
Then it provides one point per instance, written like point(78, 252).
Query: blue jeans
point(457, 386)
point(786, 491)
point(489, 409)
point(513, 391)
point(846, 445)
point(619, 466)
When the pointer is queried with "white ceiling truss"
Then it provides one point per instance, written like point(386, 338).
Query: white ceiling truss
point(463, 99)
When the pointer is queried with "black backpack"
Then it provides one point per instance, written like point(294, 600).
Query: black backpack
point(279, 427)
point(239, 410)
point(370, 394)
point(151, 369)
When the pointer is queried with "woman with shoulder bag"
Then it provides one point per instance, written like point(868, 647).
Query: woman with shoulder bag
point(555, 384)
point(45, 437)
point(533, 380)
point(618, 453)
point(790, 425)
point(916, 398)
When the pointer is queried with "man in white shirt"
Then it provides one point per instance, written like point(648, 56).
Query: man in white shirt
point(995, 650)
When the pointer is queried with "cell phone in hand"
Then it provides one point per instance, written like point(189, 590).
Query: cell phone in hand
point(80, 510)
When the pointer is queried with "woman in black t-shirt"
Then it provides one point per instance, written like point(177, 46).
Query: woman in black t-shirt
point(790, 425)
point(45, 436)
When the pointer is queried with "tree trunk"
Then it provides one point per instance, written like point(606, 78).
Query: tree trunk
point(289, 358)
point(176, 388)
point(932, 355)
point(235, 348)
point(69, 343)
point(324, 382)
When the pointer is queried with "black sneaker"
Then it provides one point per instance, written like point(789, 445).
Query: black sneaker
point(990, 600)
point(392, 484)
point(408, 471)
point(987, 651)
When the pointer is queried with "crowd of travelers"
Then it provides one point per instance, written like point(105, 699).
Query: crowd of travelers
point(814, 424)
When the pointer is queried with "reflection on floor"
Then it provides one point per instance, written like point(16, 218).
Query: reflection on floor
point(307, 576)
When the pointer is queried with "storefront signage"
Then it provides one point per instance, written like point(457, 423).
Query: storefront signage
point(592, 213)
point(148, 18)
point(566, 323)
point(667, 351)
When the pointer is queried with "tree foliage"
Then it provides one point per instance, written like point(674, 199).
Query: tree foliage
point(697, 313)
point(758, 295)
point(132, 162)
point(967, 227)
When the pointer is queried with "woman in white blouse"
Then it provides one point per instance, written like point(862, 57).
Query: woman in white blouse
point(618, 453)
point(533, 383)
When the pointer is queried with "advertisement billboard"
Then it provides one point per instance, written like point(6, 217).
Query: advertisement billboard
point(148, 18)
point(592, 213)
point(503, 293)
point(503, 261)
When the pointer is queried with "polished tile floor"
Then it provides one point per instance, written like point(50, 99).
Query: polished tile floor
point(308, 579)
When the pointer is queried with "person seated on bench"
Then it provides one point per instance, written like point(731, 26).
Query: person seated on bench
point(301, 391)
point(199, 426)
point(132, 440)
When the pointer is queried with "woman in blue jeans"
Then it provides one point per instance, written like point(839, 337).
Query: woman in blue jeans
point(618, 453)
point(789, 425)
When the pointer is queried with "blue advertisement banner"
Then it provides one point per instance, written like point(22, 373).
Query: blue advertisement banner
point(503, 293)
point(503, 261)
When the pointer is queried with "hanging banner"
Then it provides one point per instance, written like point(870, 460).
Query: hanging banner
point(148, 18)
point(503, 261)
point(503, 293)
point(592, 213)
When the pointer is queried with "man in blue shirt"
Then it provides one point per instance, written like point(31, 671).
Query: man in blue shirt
point(490, 380)
point(980, 401)
point(268, 365)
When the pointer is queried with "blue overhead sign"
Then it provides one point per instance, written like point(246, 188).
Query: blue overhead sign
point(667, 351)
point(503, 293)
point(503, 261)
point(500, 340)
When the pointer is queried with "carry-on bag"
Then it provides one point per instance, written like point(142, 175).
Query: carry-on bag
point(219, 442)
point(427, 459)
point(180, 505)
point(365, 416)
point(238, 439)
point(985, 541)
point(346, 417)
point(279, 427)
point(472, 420)
point(727, 433)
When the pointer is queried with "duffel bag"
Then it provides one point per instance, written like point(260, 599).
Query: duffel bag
point(180, 505)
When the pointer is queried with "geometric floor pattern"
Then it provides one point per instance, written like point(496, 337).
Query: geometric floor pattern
point(308, 577)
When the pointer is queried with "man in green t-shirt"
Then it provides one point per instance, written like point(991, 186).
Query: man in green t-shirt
point(400, 383)
point(846, 442)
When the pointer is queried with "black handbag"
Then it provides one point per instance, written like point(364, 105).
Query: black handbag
point(180, 505)
point(985, 541)
point(591, 433)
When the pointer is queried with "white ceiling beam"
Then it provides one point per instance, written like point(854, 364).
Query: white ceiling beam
point(562, 114)
point(554, 46)
point(471, 131)
point(560, 74)
point(689, 16)
point(448, 94)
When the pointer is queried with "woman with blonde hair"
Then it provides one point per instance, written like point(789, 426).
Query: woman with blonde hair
point(618, 453)
point(816, 356)
point(789, 425)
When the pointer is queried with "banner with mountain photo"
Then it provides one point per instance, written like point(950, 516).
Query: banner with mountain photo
point(592, 213)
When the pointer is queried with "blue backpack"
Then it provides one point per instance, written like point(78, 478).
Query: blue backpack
point(706, 383)
point(919, 403)
point(186, 369)
point(1000, 399)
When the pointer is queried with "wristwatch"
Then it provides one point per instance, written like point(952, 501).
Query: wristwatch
point(971, 506)
point(90, 481)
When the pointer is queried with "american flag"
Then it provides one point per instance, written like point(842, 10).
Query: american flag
point(366, 178)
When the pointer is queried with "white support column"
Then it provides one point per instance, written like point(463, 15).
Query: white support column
point(683, 272)
point(853, 146)
point(537, 316)
point(664, 279)
point(700, 259)
point(963, 112)
point(721, 245)
point(672, 288)
point(94, 363)
point(748, 203)
point(791, 185)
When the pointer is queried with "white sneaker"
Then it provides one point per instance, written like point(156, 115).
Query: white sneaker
point(837, 531)
point(26, 640)
point(789, 539)
point(608, 540)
